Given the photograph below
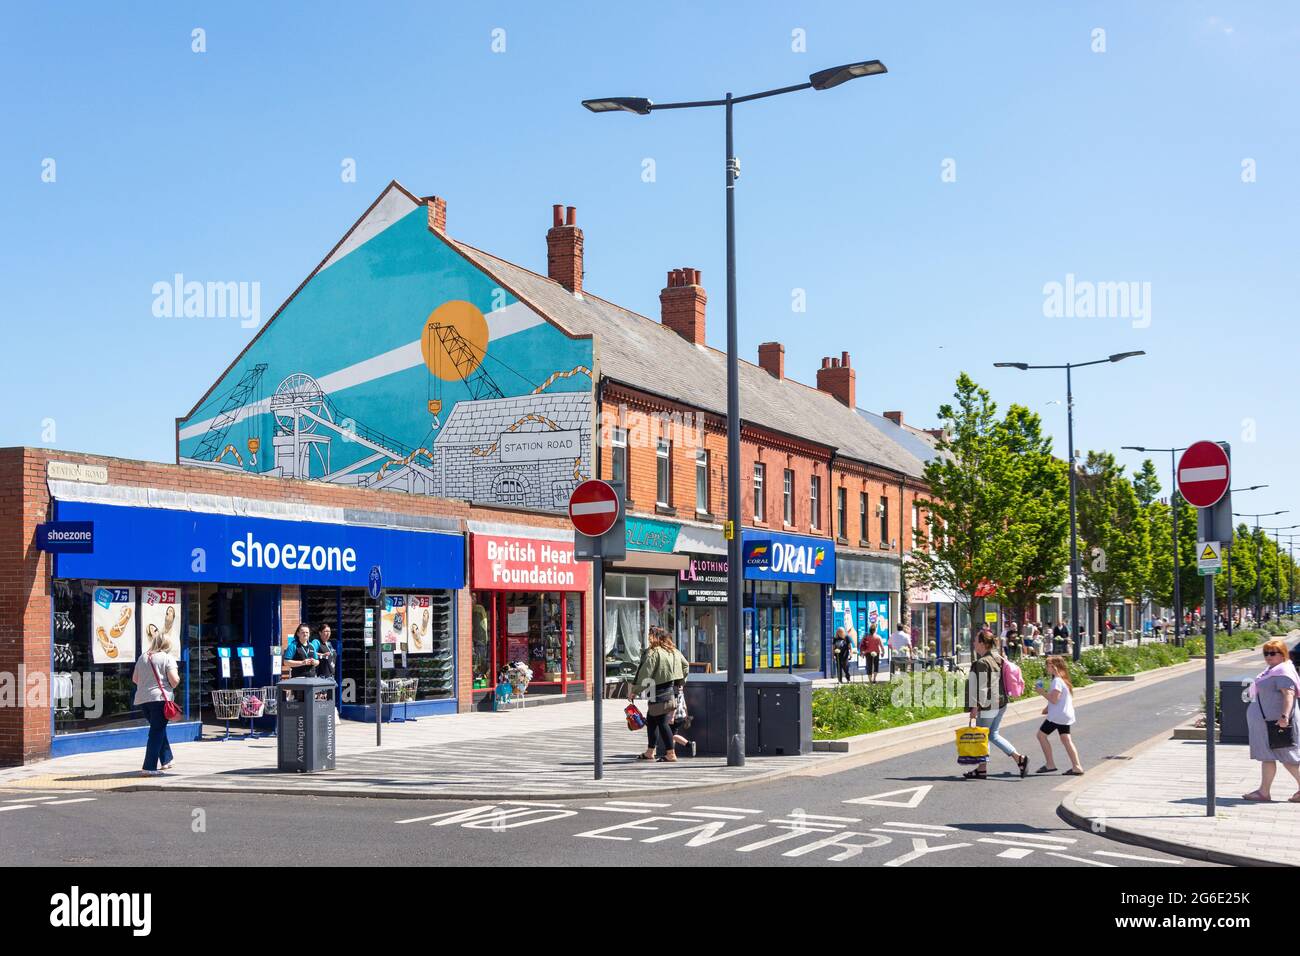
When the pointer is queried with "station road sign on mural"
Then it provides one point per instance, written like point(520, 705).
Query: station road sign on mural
point(1203, 474)
point(593, 508)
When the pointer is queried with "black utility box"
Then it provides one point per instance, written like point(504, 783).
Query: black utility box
point(778, 714)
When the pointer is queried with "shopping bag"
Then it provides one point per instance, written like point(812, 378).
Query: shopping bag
point(635, 720)
point(972, 745)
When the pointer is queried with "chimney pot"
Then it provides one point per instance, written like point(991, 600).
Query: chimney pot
point(682, 305)
point(564, 249)
point(844, 360)
point(571, 216)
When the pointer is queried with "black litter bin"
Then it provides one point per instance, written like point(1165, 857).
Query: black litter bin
point(306, 728)
point(1233, 701)
point(778, 714)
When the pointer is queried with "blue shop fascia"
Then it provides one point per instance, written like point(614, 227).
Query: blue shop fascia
point(227, 589)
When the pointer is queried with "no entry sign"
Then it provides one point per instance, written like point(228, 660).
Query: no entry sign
point(593, 508)
point(1203, 474)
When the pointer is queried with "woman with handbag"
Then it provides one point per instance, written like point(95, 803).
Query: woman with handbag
point(988, 701)
point(156, 700)
point(659, 675)
point(1271, 722)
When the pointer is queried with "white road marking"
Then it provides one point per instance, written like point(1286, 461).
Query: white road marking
point(911, 803)
point(820, 816)
point(1080, 859)
point(30, 799)
point(919, 833)
point(919, 849)
point(807, 825)
point(1130, 856)
point(55, 803)
point(633, 803)
point(1015, 854)
point(1036, 846)
point(920, 826)
point(779, 838)
point(20, 806)
point(1038, 836)
point(635, 811)
point(695, 814)
point(728, 809)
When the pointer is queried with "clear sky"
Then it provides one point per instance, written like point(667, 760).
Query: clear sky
point(1117, 166)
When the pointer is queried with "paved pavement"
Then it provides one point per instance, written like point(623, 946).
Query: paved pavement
point(542, 752)
point(1158, 800)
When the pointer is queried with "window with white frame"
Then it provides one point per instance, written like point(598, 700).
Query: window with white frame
point(702, 481)
point(664, 473)
point(863, 498)
point(787, 506)
point(760, 504)
point(814, 500)
point(842, 514)
point(618, 455)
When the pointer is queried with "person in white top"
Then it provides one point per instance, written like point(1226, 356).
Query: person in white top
point(900, 645)
point(155, 678)
point(1059, 694)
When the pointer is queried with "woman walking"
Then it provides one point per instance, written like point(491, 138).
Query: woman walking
point(988, 700)
point(155, 675)
point(1059, 711)
point(869, 651)
point(660, 675)
point(1271, 722)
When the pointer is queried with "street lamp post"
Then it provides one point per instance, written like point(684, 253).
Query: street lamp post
point(1074, 534)
point(822, 80)
point(1258, 576)
point(1277, 538)
point(1227, 556)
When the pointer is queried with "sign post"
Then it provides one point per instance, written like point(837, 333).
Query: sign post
point(1204, 473)
point(596, 510)
point(375, 588)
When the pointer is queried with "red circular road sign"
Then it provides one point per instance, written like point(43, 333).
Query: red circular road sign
point(1203, 474)
point(593, 508)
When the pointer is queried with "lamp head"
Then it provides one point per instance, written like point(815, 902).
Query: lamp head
point(825, 79)
point(613, 104)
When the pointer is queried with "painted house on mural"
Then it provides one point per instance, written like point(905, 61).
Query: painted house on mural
point(402, 364)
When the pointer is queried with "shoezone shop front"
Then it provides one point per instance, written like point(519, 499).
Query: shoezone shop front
point(228, 590)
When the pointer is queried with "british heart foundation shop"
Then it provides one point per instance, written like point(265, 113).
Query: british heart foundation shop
point(529, 606)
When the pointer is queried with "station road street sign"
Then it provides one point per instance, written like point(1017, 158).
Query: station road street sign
point(1203, 474)
point(593, 508)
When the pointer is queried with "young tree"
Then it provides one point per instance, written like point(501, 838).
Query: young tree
point(1116, 540)
point(976, 535)
point(1043, 513)
point(1157, 588)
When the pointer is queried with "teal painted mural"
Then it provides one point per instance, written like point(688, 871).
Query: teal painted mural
point(401, 365)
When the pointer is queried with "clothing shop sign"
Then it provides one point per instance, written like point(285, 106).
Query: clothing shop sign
point(703, 580)
point(526, 564)
point(159, 544)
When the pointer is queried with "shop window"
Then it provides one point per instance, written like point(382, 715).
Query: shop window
point(424, 648)
point(90, 684)
point(481, 630)
point(573, 632)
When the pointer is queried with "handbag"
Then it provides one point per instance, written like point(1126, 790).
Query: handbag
point(972, 745)
point(170, 710)
point(1279, 738)
point(634, 719)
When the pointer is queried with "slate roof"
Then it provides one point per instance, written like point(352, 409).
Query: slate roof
point(642, 353)
point(920, 447)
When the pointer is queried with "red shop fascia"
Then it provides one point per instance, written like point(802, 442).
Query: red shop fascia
point(529, 604)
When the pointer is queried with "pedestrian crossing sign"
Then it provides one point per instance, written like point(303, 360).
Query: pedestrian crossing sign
point(1209, 558)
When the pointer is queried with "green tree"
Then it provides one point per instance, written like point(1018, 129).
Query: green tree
point(1117, 542)
point(974, 535)
point(1043, 514)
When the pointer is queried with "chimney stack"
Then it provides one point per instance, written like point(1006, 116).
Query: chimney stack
point(682, 304)
point(564, 249)
point(771, 358)
point(837, 378)
point(437, 214)
point(895, 417)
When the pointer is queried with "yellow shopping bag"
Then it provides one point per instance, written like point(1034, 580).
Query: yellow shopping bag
point(972, 745)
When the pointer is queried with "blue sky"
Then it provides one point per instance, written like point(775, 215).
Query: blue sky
point(1115, 166)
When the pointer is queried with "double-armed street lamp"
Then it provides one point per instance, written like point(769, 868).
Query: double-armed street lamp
point(822, 80)
point(1263, 514)
point(1074, 534)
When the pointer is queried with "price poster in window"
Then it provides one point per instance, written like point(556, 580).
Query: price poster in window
point(370, 626)
point(245, 660)
point(113, 626)
point(393, 622)
point(160, 612)
point(419, 620)
point(223, 655)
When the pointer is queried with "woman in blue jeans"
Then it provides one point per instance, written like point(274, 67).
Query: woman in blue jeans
point(155, 675)
point(988, 701)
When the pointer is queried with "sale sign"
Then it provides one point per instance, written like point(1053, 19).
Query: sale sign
point(112, 626)
point(160, 613)
point(393, 621)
